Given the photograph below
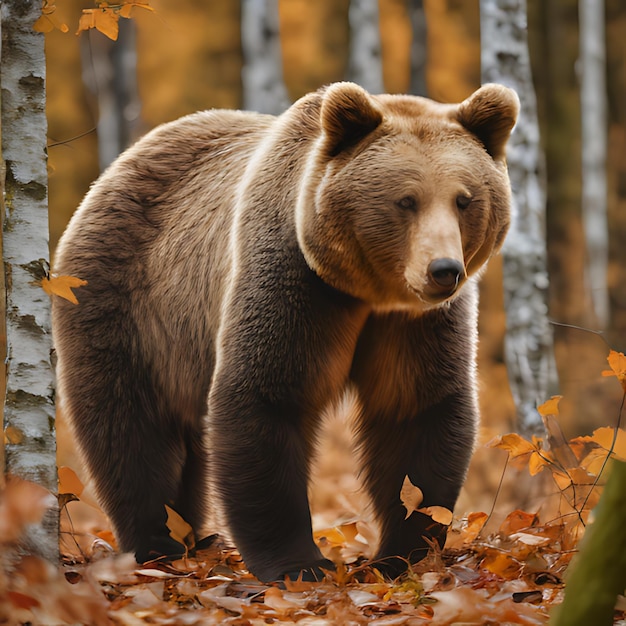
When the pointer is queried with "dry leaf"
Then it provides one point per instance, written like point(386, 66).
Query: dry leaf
point(411, 496)
point(439, 514)
point(617, 362)
point(179, 529)
point(62, 286)
point(69, 481)
point(518, 520)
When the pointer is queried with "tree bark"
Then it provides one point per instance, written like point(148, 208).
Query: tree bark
point(29, 404)
point(598, 574)
point(365, 65)
point(263, 87)
point(110, 74)
point(529, 350)
point(593, 100)
point(419, 47)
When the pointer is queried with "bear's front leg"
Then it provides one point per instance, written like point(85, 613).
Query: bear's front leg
point(418, 419)
point(261, 467)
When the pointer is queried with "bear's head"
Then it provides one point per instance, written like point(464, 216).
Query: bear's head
point(403, 198)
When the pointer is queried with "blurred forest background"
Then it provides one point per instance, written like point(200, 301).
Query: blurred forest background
point(189, 57)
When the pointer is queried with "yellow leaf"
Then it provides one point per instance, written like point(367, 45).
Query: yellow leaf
point(179, 529)
point(513, 444)
point(550, 407)
point(440, 514)
point(411, 496)
point(69, 481)
point(87, 20)
point(106, 21)
point(617, 362)
point(62, 286)
point(604, 437)
point(536, 463)
point(126, 10)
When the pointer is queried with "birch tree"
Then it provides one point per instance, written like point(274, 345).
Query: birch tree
point(365, 65)
point(29, 406)
point(419, 48)
point(594, 150)
point(263, 86)
point(110, 74)
point(529, 349)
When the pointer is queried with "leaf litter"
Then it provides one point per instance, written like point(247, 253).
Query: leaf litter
point(512, 574)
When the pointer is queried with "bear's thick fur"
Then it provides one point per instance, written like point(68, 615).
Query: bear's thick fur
point(242, 271)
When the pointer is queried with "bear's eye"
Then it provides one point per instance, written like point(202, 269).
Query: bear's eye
point(408, 203)
point(463, 201)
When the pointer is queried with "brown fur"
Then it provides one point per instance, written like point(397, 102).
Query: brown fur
point(242, 271)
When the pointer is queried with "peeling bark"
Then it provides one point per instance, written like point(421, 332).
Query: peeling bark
point(29, 403)
point(529, 350)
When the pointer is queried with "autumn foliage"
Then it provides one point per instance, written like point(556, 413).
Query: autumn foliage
point(104, 18)
point(511, 572)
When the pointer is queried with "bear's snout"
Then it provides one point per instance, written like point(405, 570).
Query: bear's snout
point(444, 275)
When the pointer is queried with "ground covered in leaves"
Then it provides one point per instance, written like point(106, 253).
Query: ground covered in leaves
point(510, 573)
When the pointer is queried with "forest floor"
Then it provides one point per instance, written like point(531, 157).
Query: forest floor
point(501, 566)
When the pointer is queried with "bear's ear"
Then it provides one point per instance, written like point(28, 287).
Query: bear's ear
point(490, 113)
point(348, 114)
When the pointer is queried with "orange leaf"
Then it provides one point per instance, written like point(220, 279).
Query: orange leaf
point(62, 286)
point(411, 496)
point(179, 529)
point(550, 407)
point(87, 20)
point(69, 481)
point(106, 21)
point(440, 514)
point(536, 463)
point(617, 362)
point(517, 520)
point(513, 444)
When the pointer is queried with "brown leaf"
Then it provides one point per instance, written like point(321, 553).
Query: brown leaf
point(411, 496)
point(69, 481)
point(179, 529)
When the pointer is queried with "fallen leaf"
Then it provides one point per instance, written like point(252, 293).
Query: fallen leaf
point(439, 514)
point(411, 496)
point(518, 520)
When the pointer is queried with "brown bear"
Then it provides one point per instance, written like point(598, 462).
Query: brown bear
point(244, 270)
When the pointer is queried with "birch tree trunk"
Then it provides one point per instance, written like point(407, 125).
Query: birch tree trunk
point(419, 47)
point(29, 405)
point(110, 74)
point(263, 87)
point(529, 350)
point(593, 100)
point(365, 65)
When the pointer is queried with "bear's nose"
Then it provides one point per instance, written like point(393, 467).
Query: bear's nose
point(446, 273)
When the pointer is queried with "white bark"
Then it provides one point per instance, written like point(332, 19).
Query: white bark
point(366, 64)
point(529, 350)
point(594, 152)
point(29, 406)
point(263, 87)
point(419, 47)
